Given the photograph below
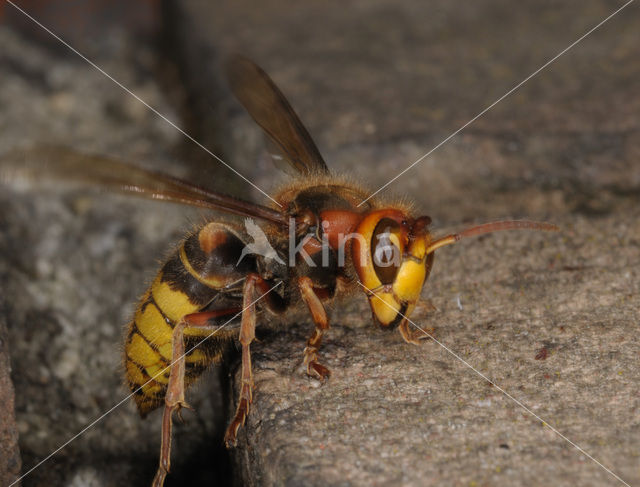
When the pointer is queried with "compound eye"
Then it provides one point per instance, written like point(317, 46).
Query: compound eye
point(386, 249)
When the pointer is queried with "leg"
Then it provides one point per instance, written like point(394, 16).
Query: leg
point(412, 334)
point(319, 315)
point(174, 397)
point(275, 304)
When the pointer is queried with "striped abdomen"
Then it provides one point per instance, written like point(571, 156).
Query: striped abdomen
point(201, 273)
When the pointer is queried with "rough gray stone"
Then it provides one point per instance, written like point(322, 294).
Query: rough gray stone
point(73, 262)
point(9, 449)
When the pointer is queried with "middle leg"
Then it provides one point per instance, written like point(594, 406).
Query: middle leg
point(276, 305)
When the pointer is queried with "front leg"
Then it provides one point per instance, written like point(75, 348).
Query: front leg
point(415, 336)
point(319, 315)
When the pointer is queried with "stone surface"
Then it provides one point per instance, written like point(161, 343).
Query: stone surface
point(380, 84)
point(551, 319)
point(9, 449)
point(73, 262)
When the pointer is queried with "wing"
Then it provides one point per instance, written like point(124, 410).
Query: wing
point(53, 163)
point(270, 109)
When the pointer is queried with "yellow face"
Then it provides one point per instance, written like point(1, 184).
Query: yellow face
point(391, 261)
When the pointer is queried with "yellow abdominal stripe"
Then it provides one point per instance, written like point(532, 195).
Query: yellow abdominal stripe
point(152, 388)
point(152, 325)
point(174, 304)
point(142, 352)
point(158, 373)
point(134, 374)
point(152, 328)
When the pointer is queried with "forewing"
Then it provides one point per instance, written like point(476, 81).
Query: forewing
point(271, 110)
point(52, 163)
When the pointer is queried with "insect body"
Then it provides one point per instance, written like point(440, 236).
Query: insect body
point(317, 243)
point(200, 273)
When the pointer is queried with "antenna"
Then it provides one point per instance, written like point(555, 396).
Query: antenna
point(492, 227)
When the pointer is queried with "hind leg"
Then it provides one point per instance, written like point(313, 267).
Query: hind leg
point(174, 398)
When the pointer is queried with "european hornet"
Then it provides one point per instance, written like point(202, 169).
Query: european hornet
point(186, 319)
